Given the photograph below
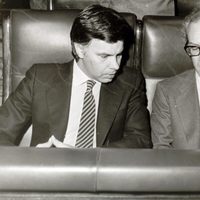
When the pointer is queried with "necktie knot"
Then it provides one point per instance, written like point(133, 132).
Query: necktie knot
point(90, 85)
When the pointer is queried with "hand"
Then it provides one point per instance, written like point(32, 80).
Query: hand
point(54, 142)
point(59, 144)
point(46, 144)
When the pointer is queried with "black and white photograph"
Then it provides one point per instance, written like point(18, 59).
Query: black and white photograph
point(99, 99)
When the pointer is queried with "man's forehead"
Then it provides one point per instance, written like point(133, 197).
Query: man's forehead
point(102, 46)
point(194, 26)
point(193, 31)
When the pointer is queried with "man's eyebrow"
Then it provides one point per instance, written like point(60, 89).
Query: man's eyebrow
point(105, 54)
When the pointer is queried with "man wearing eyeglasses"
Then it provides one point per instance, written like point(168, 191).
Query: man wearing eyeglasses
point(175, 118)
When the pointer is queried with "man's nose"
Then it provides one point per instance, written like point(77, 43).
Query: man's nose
point(115, 64)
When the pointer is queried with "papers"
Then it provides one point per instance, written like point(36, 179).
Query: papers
point(53, 142)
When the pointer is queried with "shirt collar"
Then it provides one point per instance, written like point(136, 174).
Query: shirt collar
point(197, 77)
point(79, 77)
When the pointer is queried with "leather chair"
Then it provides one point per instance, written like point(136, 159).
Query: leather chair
point(163, 52)
point(33, 36)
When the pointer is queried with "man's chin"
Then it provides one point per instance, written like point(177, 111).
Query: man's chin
point(108, 80)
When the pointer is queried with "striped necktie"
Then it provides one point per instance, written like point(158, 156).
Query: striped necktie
point(87, 123)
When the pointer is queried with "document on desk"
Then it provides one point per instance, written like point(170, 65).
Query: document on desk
point(53, 142)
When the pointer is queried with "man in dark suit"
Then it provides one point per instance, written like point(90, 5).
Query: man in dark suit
point(52, 96)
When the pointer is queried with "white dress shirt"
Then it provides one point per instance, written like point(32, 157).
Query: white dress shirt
point(198, 85)
point(79, 85)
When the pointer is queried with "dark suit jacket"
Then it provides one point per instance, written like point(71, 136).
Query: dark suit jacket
point(175, 118)
point(43, 99)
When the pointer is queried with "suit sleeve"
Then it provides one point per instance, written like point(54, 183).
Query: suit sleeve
point(15, 113)
point(160, 120)
point(137, 123)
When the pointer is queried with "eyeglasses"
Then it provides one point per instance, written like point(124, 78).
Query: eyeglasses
point(192, 50)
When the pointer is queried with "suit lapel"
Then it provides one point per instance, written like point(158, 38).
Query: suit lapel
point(109, 102)
point(188, 106)
point(58, 100)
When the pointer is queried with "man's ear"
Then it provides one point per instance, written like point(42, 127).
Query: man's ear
point(79, 49)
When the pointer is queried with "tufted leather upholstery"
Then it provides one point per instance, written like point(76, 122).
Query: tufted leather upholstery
point(163, 52)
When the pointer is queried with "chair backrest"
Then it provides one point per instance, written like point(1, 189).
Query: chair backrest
point(34, 36)
point(184, 7)
point(163, 52)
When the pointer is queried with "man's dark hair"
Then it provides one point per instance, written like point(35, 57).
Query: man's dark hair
point(102, 23)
